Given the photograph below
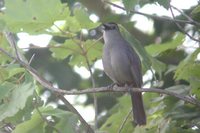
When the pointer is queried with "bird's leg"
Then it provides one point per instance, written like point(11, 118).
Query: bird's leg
point(110, 87)
point(129, 87)
point(113, 84)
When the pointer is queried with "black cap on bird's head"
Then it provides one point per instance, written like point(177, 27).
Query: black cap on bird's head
point(109, 26)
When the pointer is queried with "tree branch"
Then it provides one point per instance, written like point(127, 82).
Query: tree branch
point(181, 28)
point(151, 16)
point(186, 16)
point(47, 84)
point(93, 85)
point(126, 89)
point(106, 89)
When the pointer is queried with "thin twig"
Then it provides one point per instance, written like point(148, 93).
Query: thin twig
point(45, 120)
point(149, 15)
point(22, 76)
point(124, 121)
point(186, 16)
point(181, 28)
point(93, 44)
point(71, 108)
point(94, 95)
point(9, 36)
point(48, 85)
point(42, 117)
point(58, 46)
point(32, 57)
point(64, 32)
point(92, 79)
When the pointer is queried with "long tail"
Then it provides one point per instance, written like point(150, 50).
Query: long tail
point(138, 108)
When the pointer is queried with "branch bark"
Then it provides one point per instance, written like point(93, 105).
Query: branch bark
point(181, 28)
point(44, 82)
point(106, 89)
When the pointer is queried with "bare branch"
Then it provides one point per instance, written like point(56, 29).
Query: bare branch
point(48, 85)
point(9, 36)
point(181, 28)
point(93, 84)
point(151, 16)
point(124, 121)
point(70, 107)
point(186, 16)
point(22, 76)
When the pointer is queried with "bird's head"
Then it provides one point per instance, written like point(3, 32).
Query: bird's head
point(109, 26)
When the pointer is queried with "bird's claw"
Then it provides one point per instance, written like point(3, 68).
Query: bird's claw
point(110, 87)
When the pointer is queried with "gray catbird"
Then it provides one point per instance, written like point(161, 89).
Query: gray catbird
point(123, 66)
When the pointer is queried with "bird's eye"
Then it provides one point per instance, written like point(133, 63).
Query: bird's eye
point(113, 27)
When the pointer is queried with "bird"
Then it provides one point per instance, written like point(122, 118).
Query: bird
point(123, 66)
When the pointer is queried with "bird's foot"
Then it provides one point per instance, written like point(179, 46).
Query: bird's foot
point(110, 87)
point(128, 88)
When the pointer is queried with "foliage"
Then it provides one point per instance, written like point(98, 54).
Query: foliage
point(37, 124)
point(75, 42)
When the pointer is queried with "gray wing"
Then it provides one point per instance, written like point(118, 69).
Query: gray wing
point(106, 60)
point(136, 67)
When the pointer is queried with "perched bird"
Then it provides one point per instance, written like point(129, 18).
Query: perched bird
point(123, 66)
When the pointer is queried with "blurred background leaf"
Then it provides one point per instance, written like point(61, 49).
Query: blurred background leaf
point(169, 58)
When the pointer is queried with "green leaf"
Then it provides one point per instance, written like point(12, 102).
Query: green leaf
point(129, 4)
point(93, 51)
point(64, 121)
point(64, 50)
point(14, 69)
point(196, 13)
point(92, 48)
point(189, 70)
point(67, 120)
point(164, 3)
point(72, 24)
point(2, 24)
point(196, 91)
point(3, 74)
point(23, 114)
point(77, 60)
point(17, 98)
point(144, 56)
point(118, 114)
point(83, 18)
point(33, 15)
point(156, 49)
point(69, 48)
point(5, 46)
point(5, 89)
point(35, 125)
point(158, 66)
